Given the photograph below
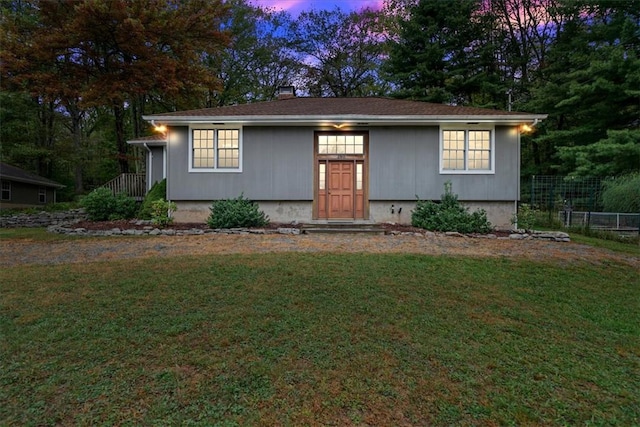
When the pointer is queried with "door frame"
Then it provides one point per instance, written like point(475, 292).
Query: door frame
point(355, 158)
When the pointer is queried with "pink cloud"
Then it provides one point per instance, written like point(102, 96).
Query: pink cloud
point(294, 7)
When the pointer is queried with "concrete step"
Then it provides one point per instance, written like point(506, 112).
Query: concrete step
point(354, 228)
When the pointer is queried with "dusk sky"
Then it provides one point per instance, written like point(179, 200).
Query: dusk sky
point(294, 7)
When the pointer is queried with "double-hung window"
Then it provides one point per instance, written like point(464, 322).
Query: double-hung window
point(6, 191)
point(42, 195)
point(466, 151)
point(215, 150)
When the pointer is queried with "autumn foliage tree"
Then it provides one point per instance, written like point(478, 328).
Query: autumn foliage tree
point(107, 53)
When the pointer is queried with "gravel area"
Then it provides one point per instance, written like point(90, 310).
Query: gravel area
point(96, 249)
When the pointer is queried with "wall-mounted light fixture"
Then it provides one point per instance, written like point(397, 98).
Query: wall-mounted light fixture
point(158, 128)
point(340, 126)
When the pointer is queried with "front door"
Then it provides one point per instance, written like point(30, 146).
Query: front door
point(341, 159)
point(341, 195)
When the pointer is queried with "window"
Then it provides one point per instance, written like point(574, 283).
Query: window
point(340, 144)
point(42, 195)
point(215, 150)
point(466, 151)
point(6, 191)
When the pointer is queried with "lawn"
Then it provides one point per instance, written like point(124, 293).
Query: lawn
point(309, 339)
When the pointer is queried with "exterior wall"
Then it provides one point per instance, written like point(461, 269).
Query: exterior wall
point(26, 195)
point(404, 163)
point(498, 213)
point(277, 211)
point(277, 164)
point(155, 160)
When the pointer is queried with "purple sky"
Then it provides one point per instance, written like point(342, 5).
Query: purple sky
point(294, 7)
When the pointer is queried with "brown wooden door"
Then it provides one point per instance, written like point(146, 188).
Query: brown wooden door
point(340, 190)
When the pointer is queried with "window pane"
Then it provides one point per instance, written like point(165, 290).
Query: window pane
point(228, 151)
point(340, 144)
point(359, 176)
point(479, 150)
point(322, 176)
point(203, 153)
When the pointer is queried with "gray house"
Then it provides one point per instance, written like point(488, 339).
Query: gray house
point(21, 188)
point(342, 159)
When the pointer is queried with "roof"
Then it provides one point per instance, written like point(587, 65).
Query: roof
point(374, 110)
point(155, 139)
point(14, 173)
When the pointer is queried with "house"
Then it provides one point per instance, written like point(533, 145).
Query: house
point(343, 159)
point(22, 189)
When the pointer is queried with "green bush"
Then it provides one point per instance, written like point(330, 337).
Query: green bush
point(161, 212)
point(622, 194)
point(158, 191)
point(449, 215)
point(239, 212)
point(102, 205)
point(525, 218)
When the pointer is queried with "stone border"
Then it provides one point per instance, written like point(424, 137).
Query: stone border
point(43, 219)
point(150, 230)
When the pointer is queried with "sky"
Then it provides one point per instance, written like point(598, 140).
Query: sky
point(294, 7)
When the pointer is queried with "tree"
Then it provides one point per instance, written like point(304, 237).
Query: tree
point(258, 59)
point(106, 53)
point(443, 53)
point(343, 52)
point(589, 87)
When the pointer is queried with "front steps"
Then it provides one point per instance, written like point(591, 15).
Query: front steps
point(342, 227)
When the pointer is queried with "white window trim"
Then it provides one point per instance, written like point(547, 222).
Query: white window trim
point(215, 169)
point(8, 189)
point(467, 128)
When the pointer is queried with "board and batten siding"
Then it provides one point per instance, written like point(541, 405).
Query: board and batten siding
point(405, 162)
point(277, 164)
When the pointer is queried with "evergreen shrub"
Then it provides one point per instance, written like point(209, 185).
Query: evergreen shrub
point(234, 213)
point(158, 191)
point(449, 215)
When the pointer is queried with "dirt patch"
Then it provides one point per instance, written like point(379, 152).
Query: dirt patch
point(96, 249)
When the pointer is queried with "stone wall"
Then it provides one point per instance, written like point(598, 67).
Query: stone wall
point(43, 219)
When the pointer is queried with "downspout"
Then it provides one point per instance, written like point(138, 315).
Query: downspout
point(149, 166)
point(515, 203)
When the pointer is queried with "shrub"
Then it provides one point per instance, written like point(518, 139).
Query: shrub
point(161, 211)
point(622, 194)
point(239, 212)
point(525, 218)
point(102, 205)
point(158, 191)
point(449, 215)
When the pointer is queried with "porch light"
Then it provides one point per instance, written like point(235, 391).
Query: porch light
point(526, 128)
point(160, 128)
point(340, 126)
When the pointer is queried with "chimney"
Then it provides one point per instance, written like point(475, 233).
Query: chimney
point(286, 92)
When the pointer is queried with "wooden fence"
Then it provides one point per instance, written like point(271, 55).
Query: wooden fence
point(132, 184)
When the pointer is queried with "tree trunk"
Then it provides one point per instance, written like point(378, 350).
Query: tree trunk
point(121, 143)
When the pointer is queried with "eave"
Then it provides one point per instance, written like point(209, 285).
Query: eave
point(346, 120)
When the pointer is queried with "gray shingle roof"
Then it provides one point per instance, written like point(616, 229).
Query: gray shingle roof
point(14, 173)
point(332, 107)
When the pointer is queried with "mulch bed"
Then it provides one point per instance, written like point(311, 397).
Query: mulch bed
point(137, 225)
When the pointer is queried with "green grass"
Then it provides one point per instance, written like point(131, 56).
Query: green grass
point(301, 339)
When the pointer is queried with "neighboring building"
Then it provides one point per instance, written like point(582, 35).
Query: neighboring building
point(343, 159)
point(24, 189)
